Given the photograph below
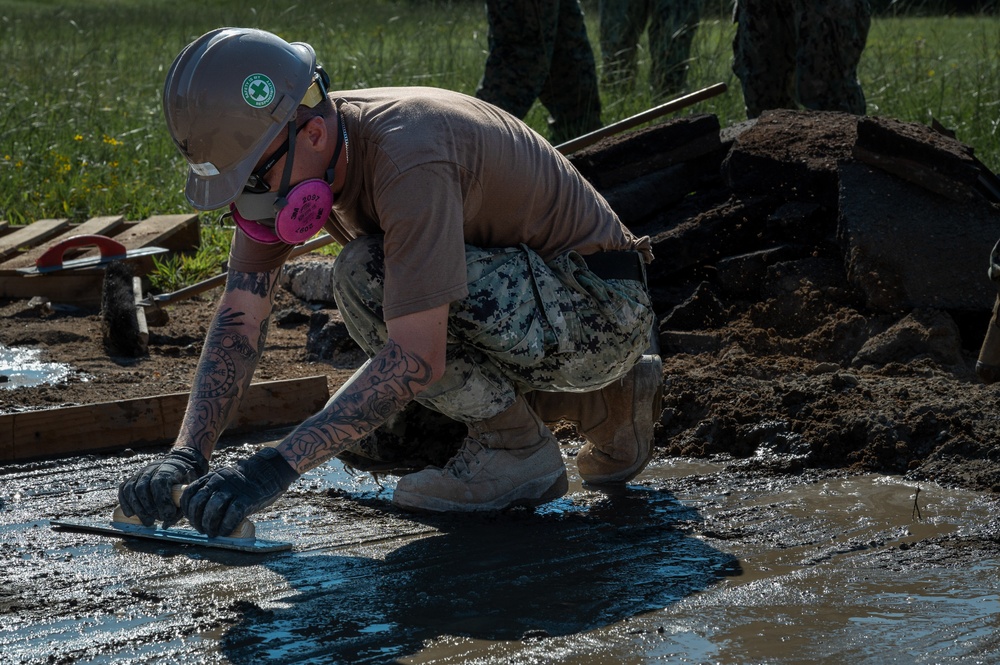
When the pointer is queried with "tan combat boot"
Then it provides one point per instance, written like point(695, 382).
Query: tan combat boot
point(508, 460)
point(617, 422)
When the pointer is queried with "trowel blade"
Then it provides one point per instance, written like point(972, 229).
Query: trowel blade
point(92, 262)
point(172, 535)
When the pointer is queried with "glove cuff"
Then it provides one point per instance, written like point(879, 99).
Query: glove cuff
point(193, 457)
point(283, 471)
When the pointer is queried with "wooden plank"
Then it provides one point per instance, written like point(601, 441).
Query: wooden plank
point(6, 438)
point(176, 232)
point(30, 236)
point(83, 286)
point(150, 421)
point(80, 287)
point(95, 226)
point(3, 225)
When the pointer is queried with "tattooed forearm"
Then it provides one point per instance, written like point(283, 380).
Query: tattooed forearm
point(257, 283)
point(224, 359)
point(224, 372)
point(262, 337)
point(382, 387)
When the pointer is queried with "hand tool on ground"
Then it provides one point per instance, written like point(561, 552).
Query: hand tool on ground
point(156, 315)
point(111, 250)
point(242, 539)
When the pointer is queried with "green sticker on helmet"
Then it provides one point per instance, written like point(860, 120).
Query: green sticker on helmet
point(258, 91)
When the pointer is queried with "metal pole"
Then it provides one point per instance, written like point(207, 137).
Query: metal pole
point(639, 118)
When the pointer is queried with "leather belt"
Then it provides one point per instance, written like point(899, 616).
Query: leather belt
point(622, 264)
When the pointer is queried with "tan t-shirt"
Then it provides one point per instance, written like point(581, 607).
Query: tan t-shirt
point(434, 170)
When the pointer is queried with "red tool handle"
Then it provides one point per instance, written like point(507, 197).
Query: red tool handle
point(53, 256)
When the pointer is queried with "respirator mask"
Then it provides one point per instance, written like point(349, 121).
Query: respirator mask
point(290, 215)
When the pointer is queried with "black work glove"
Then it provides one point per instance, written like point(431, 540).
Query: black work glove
point(147, 493)
point(216, 503)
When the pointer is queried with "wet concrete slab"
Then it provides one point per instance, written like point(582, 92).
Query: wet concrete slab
point(695, 562)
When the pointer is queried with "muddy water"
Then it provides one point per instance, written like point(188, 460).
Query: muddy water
point(696, 563)
point(21, 367)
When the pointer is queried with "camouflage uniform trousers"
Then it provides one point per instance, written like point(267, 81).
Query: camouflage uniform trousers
point(539, 49)
point(672, 25)
point(790, 52)
point(525, 325)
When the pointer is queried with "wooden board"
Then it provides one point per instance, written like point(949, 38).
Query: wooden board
point(179, 233)
point(104, 226)
point(149, 421)
point(30, 235)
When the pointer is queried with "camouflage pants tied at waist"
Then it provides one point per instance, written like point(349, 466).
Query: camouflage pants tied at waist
point(525, 325)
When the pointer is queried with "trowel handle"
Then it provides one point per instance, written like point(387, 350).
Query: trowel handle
point(53, 256)
point(244, 530)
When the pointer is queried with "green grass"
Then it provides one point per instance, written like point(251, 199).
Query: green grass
point(82, 132)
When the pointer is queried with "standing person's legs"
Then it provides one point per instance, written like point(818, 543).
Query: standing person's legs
point(621, 25)
point(521, 40)
point(764, 54)
point(832, 37)
point(672, 28)
point(570, 92)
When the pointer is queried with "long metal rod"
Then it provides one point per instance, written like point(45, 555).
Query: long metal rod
point(212, 282)
point(639, 118)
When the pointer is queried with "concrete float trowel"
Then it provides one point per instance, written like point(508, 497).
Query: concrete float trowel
point(242, 539)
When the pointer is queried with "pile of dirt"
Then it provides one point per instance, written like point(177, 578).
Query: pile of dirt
point(789, 341)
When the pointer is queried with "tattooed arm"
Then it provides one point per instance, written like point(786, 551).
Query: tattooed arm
point(228, 359)
point(232, 348)
point(411, 361)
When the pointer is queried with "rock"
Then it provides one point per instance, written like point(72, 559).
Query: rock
point(920, 155)
point(310, 280)
point(906, 247)
point(922, 333)
point(328, 336)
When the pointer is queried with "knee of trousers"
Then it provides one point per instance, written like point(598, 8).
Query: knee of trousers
point(359, 270)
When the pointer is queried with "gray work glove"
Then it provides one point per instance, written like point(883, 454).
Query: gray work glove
point(216, 503)
point(147, 493)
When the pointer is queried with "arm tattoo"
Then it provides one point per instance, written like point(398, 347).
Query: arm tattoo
point(382, 387)
point(257, 283)
point(226, 352)
point(227, 364)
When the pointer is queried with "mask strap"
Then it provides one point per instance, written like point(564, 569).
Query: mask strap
point(286, 175)
point(331, 169)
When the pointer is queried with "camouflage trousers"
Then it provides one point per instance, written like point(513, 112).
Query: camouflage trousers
point(672, 25)
point(801, 52)
point(539, 49)
point(525, 325)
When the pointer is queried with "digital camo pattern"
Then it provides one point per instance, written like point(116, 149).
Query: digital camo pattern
point(790, 52)
point(526, 325)
point(672, 25)
point(539, 50)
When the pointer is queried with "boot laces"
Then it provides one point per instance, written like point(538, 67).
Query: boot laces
point(461, 463)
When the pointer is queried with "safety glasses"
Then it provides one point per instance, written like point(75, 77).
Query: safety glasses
point(255, 183)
